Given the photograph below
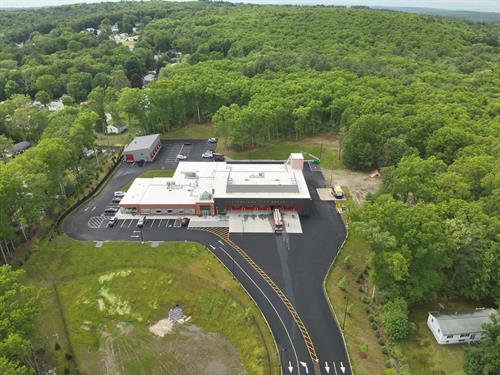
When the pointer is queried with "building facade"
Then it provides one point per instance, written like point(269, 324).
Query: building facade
point(218, 188)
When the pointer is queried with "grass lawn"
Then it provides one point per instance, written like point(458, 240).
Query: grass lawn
point(191, 131)
point(357, 326)
point(282, 150)
point(151, 173)
point(114, 139)
point(99, 302)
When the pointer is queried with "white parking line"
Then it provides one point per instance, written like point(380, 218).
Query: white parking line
point(123, 222)
point(131, 221)
point(93, 208)
point(153, 223)
point(86, 209)
point(167, 221)
point(159, 224)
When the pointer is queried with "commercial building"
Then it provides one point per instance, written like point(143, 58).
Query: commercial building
point(216, 188)
point(458, 327)
point(142, 148)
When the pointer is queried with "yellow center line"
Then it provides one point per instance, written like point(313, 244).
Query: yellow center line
point(223, 233)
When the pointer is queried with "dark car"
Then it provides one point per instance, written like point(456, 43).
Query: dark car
point(218, 157)
point(184, 221)
point(116, 200)
point(140, 163)
point(112, 222)
point(187, 143)
point(110, 210)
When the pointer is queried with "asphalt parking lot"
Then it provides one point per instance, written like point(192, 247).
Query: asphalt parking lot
point(89, 220)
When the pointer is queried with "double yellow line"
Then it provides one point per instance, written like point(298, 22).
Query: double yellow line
point(223, 233)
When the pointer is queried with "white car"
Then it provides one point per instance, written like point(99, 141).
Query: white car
point(181, 157)
point(212, 140)
point(119, 194)
point(207, 155)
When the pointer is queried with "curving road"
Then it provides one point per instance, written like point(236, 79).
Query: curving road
point(283, 274)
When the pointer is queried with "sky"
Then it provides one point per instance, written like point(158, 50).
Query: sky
point(474, 5)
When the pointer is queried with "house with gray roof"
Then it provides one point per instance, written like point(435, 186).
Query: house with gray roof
point(458, 327)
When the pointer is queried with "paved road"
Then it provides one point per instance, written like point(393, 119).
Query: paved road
point(296, 263)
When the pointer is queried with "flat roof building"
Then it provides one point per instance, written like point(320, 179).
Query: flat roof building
point(210, 188)
point(142, 148)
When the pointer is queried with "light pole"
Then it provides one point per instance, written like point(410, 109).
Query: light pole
point(346, 297)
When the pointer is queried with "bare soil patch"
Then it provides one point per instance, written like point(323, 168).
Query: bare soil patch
point(358, 183)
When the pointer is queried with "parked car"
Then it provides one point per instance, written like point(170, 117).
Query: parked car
point(112, 222)
point(141, 221)
point(212, 140)
point(218, 157)
point(187, 143)
point(119, 194)
point(207, 154)
point(111, 210)
point(116, 200)
point(140, 163)
point(184, 221)
point(181, 157)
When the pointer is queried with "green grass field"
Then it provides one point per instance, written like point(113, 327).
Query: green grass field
point(191, 131)
point(109, 296)
point(114, 139)
point(151, 173)
point(282, 150)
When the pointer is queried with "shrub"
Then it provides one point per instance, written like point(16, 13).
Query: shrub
point(387, 364)
point(377, 334)
point(68, 356)
point(371, 318)
point(347, 262)
point(366, 300)
point(384, 350)
point(66, 370)
point(374, 326)
point(367, 309)
point(342, 284)
point(395, 319)
point(57, 346)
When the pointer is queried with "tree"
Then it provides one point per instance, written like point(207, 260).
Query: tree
point(395, 319)
point(79, 85)
point(47, 83)
point(484, 359)
point(18, 308)
point(119, 80)
point(5, 146)
point(43, 97)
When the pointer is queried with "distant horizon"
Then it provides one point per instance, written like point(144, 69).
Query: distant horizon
point(490, 6)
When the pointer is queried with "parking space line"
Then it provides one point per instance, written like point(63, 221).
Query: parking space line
point(166, 224)
point(160, 223)
point(153, 223)
point(123, 222)
point(131, 221)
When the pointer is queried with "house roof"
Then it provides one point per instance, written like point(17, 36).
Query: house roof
point(21, 146)
point(465, 321)
point(140, 143)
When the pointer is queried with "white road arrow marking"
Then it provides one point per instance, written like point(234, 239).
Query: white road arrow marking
point(304, 364)
point(290, 367)
point(212, 247)
point(93, 208)
point(342, 367)
point(327, 368)
point(222, 243)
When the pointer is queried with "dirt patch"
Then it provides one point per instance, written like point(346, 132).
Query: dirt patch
point(358, 183)
point(186, 350)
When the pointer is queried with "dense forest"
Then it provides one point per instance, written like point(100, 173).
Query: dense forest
point(416, 96)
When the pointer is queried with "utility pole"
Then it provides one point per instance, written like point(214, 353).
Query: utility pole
point(346, 297)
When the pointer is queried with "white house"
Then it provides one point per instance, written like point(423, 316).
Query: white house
point(115, 129)
point(55, 105)
point(458, 327)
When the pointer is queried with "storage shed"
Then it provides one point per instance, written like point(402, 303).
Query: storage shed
point(142, 148)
